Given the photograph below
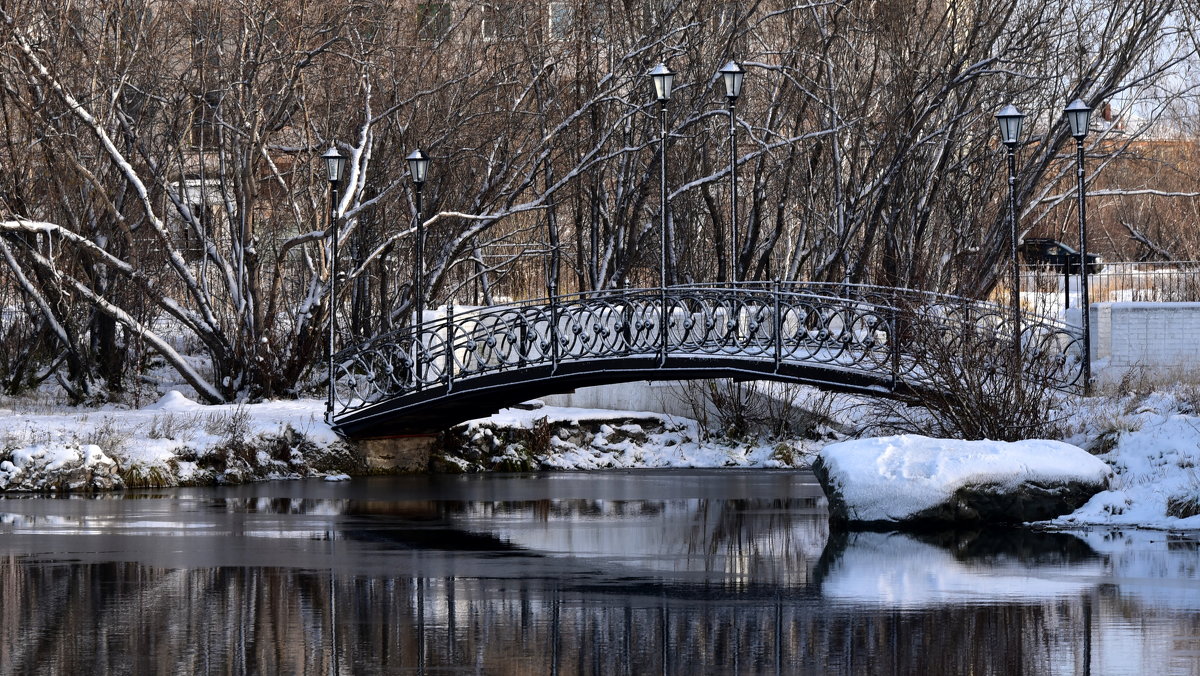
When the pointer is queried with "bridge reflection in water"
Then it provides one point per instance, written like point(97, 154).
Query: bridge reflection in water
point(846, 337)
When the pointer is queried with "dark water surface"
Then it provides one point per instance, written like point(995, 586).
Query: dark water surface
point(679, 572)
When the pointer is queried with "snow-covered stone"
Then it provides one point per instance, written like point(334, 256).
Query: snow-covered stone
point(918, 480)
point(59, 467)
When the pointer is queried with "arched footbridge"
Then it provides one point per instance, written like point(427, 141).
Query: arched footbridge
point(881, 341)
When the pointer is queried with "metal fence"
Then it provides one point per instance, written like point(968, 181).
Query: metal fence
point(1175, 281)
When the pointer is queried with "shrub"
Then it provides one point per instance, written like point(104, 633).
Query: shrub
point(750, 408)
point(175, 426)
point(537, 438)
point(155, 476)
point(974, 385)
point(107, 436)
point(1108, 427)
point(1183, 506)
point(234, 430)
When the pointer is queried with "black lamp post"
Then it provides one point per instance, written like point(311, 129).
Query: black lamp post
point(664, 80)
point(335, 166)
point(1079, 117)
point(418, 169)
point(732, 73)
point(1010, 119)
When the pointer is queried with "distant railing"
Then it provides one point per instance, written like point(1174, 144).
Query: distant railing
point(1173, 281)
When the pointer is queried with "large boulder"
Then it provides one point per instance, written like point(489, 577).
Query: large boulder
point(918, 481)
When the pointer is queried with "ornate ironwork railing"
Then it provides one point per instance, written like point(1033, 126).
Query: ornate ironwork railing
point(894, 334)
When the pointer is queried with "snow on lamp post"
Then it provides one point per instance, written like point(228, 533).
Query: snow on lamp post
point(732, 73)
point(418, 169)
point(1079, 118)
point(1010, 119)
point(335, 166)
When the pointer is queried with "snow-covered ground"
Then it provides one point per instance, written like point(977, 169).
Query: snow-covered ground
point(1151, 442)
point(174, 440)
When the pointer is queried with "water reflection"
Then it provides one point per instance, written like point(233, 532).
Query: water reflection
point(992, 566)
point(658, 572)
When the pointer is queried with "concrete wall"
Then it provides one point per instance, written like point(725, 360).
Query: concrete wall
point(1159, 337)
point(643, 395)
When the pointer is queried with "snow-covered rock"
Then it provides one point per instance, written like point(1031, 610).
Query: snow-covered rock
point(60, 467)
point(918, 480)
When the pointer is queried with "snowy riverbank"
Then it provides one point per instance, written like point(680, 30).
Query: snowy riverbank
point(1151, 441)
point(175, 441)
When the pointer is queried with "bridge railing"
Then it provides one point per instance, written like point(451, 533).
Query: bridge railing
point(889, 333)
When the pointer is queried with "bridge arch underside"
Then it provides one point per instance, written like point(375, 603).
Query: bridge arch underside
point(438, 408)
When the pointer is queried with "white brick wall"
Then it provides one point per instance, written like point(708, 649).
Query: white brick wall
point(1157, 336)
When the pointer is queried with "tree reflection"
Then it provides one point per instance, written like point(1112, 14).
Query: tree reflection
point(679, 585)
point(127, 617)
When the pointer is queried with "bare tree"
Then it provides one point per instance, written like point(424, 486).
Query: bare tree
point(164, 199)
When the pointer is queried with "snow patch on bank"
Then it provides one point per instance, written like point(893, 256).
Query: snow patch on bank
point(566, 438)
point(1150, 441)
point(1155, 453)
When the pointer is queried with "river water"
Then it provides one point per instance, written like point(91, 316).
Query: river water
point(678, 572)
